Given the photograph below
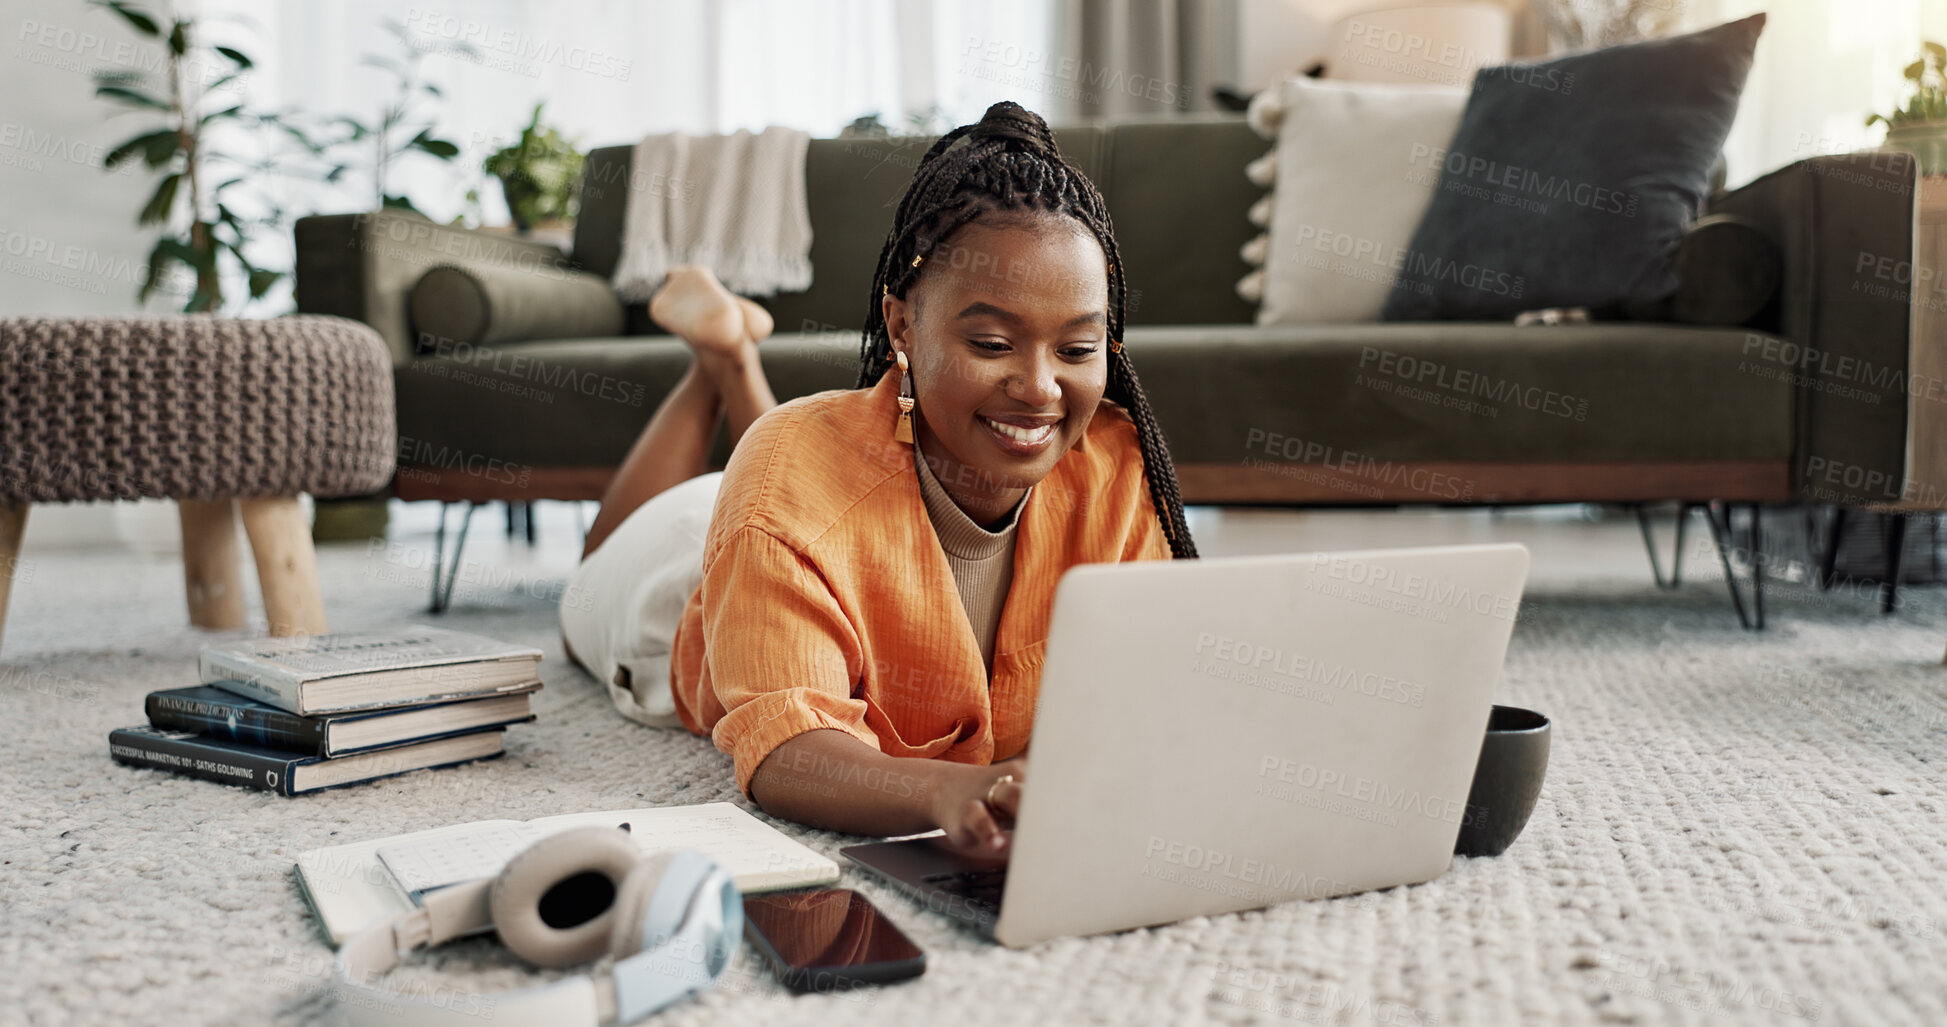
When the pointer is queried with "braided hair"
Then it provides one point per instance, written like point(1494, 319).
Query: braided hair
point(1010, 167)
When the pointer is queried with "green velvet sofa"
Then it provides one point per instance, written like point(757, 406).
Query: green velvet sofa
point(1449, 412)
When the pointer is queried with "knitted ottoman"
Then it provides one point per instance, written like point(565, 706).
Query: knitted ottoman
point(223, 416)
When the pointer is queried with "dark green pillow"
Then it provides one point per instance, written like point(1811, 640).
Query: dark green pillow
point(486, 304)
point(1570, 181)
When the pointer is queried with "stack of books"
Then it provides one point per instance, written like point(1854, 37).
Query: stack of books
point(293, 715)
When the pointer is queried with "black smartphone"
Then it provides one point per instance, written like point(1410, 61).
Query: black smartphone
point(829, 940)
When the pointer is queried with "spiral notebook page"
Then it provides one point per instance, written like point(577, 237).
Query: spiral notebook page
point(757, 855)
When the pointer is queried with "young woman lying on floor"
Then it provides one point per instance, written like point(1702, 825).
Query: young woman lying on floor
point(856, 608)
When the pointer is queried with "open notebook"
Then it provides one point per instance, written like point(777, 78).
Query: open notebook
point(354, 886)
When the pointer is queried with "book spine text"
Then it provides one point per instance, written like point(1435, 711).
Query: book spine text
point(186, 757)
point(249, 724)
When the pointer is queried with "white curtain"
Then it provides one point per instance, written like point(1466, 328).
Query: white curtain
point(1821, 67)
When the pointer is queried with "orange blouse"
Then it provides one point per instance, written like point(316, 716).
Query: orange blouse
point(827, 601)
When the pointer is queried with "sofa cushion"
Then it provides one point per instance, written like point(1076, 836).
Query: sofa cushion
point(1727, 272)
point(488, 304)
point(1570, 180)
point(1224, 394)
point(575, 402)
point(1353, 180)
point(1455, 391)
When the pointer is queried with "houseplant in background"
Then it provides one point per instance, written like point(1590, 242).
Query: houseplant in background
point(1921, 125)
point(404, 126)
point(191, 110)
point(540, 174)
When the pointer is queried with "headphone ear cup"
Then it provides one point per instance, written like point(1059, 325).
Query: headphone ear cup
point(553, 903)
point(632, 904)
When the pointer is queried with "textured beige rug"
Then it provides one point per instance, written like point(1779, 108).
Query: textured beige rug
point(1736, 828)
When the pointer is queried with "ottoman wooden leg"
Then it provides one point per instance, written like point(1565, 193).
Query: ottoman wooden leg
point(212, 575)
point(13, 523)
point(287, 567)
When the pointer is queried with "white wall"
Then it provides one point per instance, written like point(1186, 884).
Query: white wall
point(1821, 66)
point(68, 243)
point(1281, 37)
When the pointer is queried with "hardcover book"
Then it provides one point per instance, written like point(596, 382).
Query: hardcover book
point(273, 770)
point(354, 886)
point(407, 666)
point(219, 713)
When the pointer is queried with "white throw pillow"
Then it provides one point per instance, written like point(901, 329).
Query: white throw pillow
point(1356, 165)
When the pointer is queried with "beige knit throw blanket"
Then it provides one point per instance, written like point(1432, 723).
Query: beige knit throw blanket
point(732, 203)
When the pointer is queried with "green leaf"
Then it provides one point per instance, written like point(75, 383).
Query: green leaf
point(179, 249)
point(1915, 70)
point(437, 147)
point(261, 282)
point(156, 148)
point(380, 62)
point(202, 302)
point(229, 217)
point(158, 259)
point(162, 203)
point(1938, 52)
point(227, 112)
point(179, 38)
point(1874, 119)
point(235, 55)
point(142, 22)
point(131, 97)
point(298, 134)
point(398, 203)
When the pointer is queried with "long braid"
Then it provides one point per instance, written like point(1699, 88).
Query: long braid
point(1011, 163)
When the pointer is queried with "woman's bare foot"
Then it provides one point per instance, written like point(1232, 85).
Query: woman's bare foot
point(757, 320)
point(694, 305)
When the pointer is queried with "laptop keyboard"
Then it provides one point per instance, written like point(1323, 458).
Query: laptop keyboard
point(981, 888)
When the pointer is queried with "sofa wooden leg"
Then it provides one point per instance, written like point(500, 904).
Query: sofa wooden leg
point(212, 570)
point(287, 567)
point(13, 524)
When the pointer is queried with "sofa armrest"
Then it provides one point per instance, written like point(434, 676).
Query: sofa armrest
point(1844, 226)
point(363, 266)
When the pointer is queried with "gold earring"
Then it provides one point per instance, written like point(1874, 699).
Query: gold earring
point(902, 427)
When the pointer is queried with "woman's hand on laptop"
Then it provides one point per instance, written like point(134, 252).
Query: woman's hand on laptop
point(976, 808)
point(831, 780)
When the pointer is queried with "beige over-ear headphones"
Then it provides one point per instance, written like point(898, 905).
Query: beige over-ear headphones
point(670, 920)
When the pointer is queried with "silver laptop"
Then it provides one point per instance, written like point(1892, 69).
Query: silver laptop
point(1220, 735)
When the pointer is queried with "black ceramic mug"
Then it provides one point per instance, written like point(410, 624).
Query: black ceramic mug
point(1507, 780)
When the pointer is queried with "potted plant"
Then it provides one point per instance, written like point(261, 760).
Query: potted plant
point(1921, 126)
point(199, 229)
point(540, 175)
point(403, 127)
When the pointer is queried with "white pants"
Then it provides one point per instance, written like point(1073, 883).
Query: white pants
point(621, 607)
